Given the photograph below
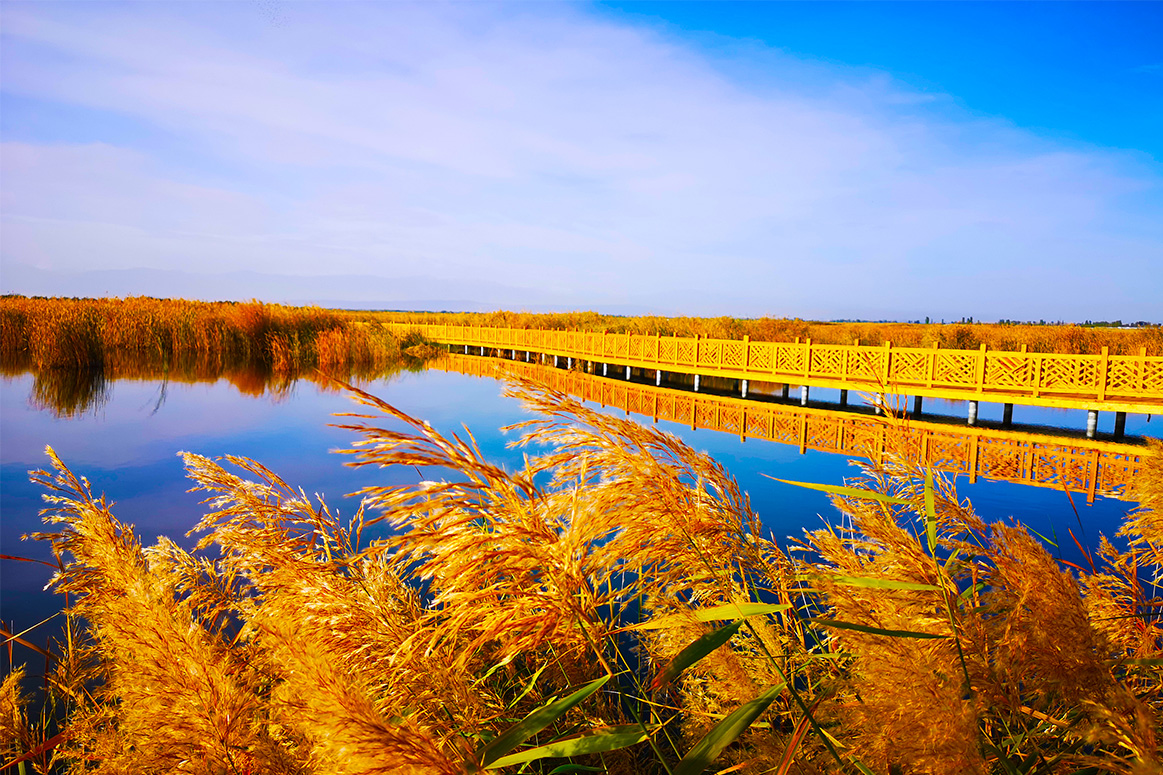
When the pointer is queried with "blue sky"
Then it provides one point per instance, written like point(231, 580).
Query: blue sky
point(826, 160)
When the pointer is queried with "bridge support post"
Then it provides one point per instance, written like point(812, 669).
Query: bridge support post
point(1091, 423)
point(555, 361)
point(917, 403)
point(658, 376)
point(1007, 415)
point(482, 352)
point(1120, 424)
point(784, 392)
point(627, 372)
point(843, 398)
point(803, 395)
point(466, 349)
point(973, 413)
point(743, 388)
point(605, 369)
point(569, 363)
point(878, 407)
point(696, 383)
point(526, 356)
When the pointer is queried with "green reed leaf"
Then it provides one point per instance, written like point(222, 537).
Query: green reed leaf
point(714, 613)
point(847, 492)
point(874, 630)
point(725, 732)
point(594, 741)
point(695, 651)
point(930, 512)
point(534, 723)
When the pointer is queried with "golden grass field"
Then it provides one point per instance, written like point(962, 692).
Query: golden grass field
point(615, 606)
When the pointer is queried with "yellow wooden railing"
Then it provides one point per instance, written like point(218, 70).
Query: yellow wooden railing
point(1127, 383)
point(1079, 465)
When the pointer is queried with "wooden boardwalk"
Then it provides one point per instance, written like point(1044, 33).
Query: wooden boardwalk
point(1082, 466)
point(1103, 382)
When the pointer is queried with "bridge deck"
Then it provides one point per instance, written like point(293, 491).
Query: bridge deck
point(1103, 382)
point(1079, 465)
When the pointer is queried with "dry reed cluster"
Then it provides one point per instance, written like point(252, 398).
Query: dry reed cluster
point(613, 606)
point(76, 346)
point(1067, 339)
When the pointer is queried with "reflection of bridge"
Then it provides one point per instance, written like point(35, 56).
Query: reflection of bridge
point(1104, 382)
point(1080, 465)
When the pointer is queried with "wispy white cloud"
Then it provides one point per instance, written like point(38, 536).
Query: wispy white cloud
point(540, 146)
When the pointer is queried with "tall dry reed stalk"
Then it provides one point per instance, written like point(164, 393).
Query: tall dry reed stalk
point(613, 605)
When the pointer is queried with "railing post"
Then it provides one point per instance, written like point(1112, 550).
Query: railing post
point(933, 363)
point(887, 363)
point(807, 357)
point(1141, 369)
point(981, 369)
point(1103, 366)
point(1037, 374)
point(746, 352)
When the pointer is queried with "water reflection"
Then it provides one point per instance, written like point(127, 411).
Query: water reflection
point(1041, 459)
point(68, 392)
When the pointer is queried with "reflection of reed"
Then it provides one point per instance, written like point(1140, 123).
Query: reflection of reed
point(70, 392)
point(1079, 465)
point(74, 392)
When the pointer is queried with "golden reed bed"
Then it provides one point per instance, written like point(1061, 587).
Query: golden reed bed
point(66, 331)
point(614, 606)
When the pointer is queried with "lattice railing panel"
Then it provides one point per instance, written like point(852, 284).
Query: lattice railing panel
point(864, 440)
point(686, 351)
point(734, 355)
point(1068, 374)
point(827, 362)
point(821, 433)
point(668, 350)
point(949, 454)
point(789, 359)
point(637, 404)
point(1001, 458)
point(1061, 467)
point(710, 352)
point(1117, 472)
point(760, 356)
point(787, 428)
point(955, 369)
point(910, 366)
point(1008, 371)
point(865, 364)
point(705, 415)
point(756, 422)
point(730, 419)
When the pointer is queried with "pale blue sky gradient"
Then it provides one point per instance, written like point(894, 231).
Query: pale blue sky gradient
point(822, 160)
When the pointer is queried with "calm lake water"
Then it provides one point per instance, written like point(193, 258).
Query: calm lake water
point(127, 447)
